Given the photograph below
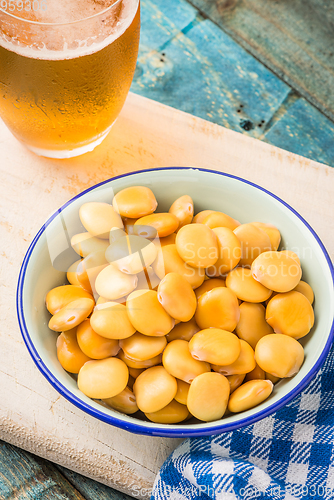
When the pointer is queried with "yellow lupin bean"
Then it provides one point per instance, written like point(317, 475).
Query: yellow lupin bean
point(215, 346)
point(272, 232)
point(183, 209)
point(229, 252)
point(245, 362)
point(291, 314)
point(71, 315)
point(245, 287)
point(276, 271)
point(252, 324)
point(59, 297)
point(183, 331)
point(173, 413)
point(208, 396)
point(177, 297)
point(134, 202)
point(154, 389)
point(111, 283)
point(219, 219)
point(84, 244)
point(169, 261)
point(110, 320)
point(124, 402)
point(131, 254)
point(249, 395)
point(209, 284)
point(141, 347)
point(69, 354)
point(71, 275)
point(98, 218)
point(306, 290)
point(182, 392)
point(280, 355)
point(253, 241)
point(89, 269)
point(199, 218)
point(256, 374)
point(218, 308)
point(103, 378)
point(147, 314)
point(93, 345)
point(161, 224)
point(179, 362)
point(139, 365)
point(197, 245)
point(235, 381)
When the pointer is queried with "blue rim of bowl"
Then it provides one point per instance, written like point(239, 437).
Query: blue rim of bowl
point(157, 429)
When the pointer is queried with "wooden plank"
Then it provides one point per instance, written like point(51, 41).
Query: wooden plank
point(294, 38)
point(189, 63)
point(161, 21)
point(32, 414)
point(23, 476)
point(91, 490)
point(305, 131)
point(202, 71)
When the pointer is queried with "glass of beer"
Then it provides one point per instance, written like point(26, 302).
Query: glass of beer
point(66, 67)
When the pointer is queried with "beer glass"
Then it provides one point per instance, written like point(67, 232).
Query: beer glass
point(66, 67)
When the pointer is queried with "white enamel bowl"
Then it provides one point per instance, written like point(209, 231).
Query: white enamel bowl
point(49, 256)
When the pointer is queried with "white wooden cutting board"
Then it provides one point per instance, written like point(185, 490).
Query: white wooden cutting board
point(32, 414)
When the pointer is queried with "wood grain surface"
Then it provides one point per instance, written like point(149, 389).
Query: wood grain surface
point(186, 60)
point(32, 414)
point(294, 38)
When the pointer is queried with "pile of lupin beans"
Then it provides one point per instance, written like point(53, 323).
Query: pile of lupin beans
point(177, 316)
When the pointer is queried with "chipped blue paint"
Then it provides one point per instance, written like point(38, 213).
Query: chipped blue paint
point(305, 131)
point(189, 63)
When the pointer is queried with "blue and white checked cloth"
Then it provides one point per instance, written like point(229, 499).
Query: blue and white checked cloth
point(287, 456)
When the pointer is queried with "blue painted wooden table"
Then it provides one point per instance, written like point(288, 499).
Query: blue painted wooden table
point(188, 61)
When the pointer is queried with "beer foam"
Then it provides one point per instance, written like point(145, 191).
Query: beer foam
point(68, 38)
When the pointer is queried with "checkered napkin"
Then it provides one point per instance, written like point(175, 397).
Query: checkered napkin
point(289, 455)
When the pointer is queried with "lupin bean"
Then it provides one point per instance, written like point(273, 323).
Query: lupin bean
point(253, 241)
point(215, 346)
point(183, 209)
point(218, 308)
point(197, 245)
point(173, 413)
point(110, 320)
point(112, 283)
point(290, 313)
point(103, 378)
point(180, 363)
point(147, 314)
point(279, 354)
point(208, 396)
point(71, 315)
point(249, 395)
point(154, 389)
point(98, 218)
point(177, 297)
point(135, 202)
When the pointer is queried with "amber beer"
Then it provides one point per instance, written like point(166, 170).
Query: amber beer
point(63, 83)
